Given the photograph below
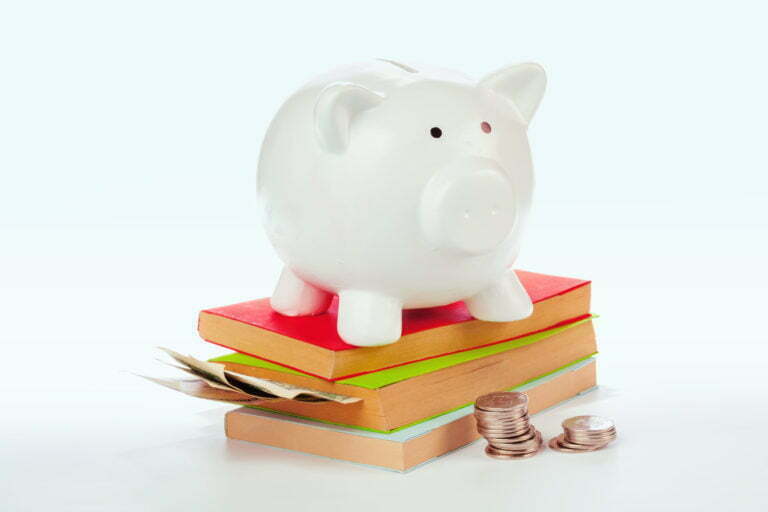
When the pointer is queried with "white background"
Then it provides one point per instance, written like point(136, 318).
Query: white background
point(129, 135)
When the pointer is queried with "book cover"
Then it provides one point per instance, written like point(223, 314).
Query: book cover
point(311, 344)
point(407, 448)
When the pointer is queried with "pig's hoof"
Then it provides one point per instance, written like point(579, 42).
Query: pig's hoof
point(506, 301)
point(368, 319)
point(295, 297)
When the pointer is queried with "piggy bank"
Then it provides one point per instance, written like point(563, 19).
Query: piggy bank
point(399, 187)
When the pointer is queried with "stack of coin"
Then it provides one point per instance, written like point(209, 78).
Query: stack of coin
point(584, 434)
point(502, 419)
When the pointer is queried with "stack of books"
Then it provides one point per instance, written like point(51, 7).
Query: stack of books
point(416, 394)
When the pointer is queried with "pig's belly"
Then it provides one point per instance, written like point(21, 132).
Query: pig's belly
point(438, 294)
point(422, 285)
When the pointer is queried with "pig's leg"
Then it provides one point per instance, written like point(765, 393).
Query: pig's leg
point(295, 297)
point(504, 301)
point(367, 319)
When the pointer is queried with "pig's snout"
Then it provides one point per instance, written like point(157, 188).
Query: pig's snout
point(469, 209)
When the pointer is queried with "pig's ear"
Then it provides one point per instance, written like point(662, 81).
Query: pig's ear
point(523, 84)
point(335, 110)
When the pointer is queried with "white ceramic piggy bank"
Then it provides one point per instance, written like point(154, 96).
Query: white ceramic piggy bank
point(395, 188)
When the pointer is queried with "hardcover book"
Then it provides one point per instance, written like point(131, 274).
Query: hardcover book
point(404, 449)
point(402, 395)
point(311, 344)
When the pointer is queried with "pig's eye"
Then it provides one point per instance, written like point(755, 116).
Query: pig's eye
point(436, 132)
point(485, 126)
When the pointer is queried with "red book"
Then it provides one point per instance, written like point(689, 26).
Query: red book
point(312, 345)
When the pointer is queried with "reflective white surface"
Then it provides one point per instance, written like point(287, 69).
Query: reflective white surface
point(80, 432)
point(130, 135)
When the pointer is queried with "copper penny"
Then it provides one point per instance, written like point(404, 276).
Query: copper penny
point(501, 456)
point(502, 401)
point(588, 424)
point(556, 443)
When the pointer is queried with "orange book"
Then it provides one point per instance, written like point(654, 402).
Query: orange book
point(312, 345)
point(406, 448)
point(401, 396)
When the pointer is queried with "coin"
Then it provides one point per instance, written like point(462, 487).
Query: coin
point(554, 444)
point(584, 434)
point(564, 442)
point(527, 434)
point(505, 434)
point(516, 412)
point(511, 415)
point(589, 437)
point(502, 401)
point(606, 433)
point(503, 427)
point(501, 422)
point(525, 445)
point(502, 456)
point(588, 424)
point(508, 421)
point(516, 408)
point(588, 442)
point(502, 419)
point(558, 444)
